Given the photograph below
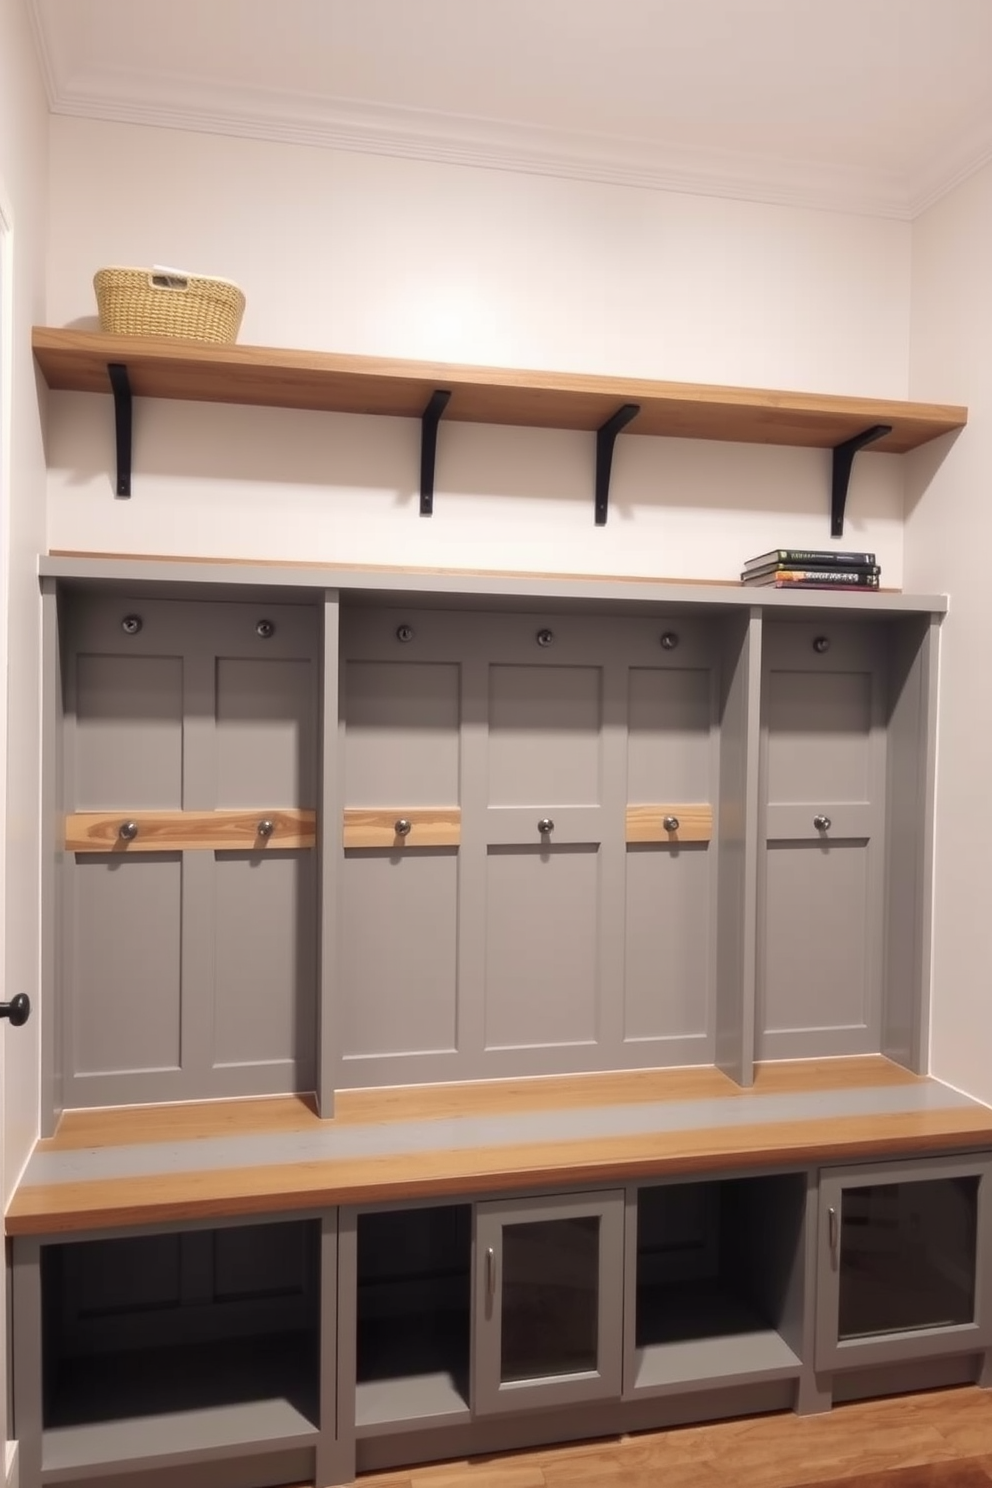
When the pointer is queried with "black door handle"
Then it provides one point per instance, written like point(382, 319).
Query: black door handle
point(18, 1010)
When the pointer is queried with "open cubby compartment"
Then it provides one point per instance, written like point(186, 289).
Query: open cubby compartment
point(413, 1319)
point(178, 1345)
point(716, 1288)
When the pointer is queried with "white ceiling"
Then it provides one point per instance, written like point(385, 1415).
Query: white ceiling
point(866, 105)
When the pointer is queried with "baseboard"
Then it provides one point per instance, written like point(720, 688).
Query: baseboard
point(12, 1476)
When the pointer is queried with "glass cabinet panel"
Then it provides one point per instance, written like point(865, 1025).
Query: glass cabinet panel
point(548, 1300)
point(901, 1273)
point(907, 1256)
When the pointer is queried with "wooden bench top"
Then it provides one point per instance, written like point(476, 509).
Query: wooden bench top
point(222, 1159)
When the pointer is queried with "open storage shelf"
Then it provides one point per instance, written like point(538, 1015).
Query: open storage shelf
point(270, 377)
point(716, 1293)
point(135, 1377)
point(413, 1309)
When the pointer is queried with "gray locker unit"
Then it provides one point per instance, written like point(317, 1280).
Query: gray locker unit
point(848, 715)
point(187, 973)
point(553, 827)
point(550, 922)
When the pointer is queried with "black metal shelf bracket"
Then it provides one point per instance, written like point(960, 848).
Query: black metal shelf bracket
point(120, 384)
point(429, 420)
point(606, 437)
point(841, 474)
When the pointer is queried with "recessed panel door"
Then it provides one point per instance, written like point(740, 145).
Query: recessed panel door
point(823, 772)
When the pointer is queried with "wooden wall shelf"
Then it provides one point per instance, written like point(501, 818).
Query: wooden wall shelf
point(262, 376)
point(79, 361)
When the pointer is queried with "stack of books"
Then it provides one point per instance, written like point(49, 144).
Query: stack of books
point(808, 568)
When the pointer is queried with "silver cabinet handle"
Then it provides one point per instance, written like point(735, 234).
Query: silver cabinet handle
point(832, 1234)
point(545, 825)
point(402, 826)
point(127, 831)
point(265, 828)
point(821, 823)
point(670, 823)
point(490, 1278)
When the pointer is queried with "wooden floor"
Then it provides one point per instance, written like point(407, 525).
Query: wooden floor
point(782, 1451)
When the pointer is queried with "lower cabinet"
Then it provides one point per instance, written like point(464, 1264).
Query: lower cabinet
point(906, 1267)
point(548, 1301)
point(249, 1355)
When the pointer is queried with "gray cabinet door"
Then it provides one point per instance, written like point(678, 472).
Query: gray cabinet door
point(821, 873)
point(188, 973)
point(548, 1301)
point(535, 916)
point(904, 1262)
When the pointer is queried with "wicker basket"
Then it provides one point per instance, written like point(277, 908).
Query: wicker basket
point(166, 302)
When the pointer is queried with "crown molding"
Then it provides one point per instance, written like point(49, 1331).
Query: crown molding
point(951, 165)
point(46, 62)
point(214, 107)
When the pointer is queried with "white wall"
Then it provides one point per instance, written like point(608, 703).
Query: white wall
point(367, 254)
point(23, 167)
point(948, 547)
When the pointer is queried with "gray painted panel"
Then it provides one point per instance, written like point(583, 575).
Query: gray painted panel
point(629, 596)
point(669, 732)
point(785, 821)
point(128, 743)
point(819, 731)
point(265, 732)
point(909, 842)
point(136, 1272)
point(509, 826)
point(542, 951)
point(329, 854)
point(259, 1469)
point(736, 843)
point(126, 991)
point(53, 863)
point(397, 990)
point(534, 1428)
point(666, 990)
point(462, 1133)
point(816, 965)
point(26, 1356)
point(260, 1260)
point(544, 735)
point(265, 974)
point(401, 733)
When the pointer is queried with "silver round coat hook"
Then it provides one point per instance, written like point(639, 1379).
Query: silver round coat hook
point(402, 826)
point(821, 823)
point(670, 823)
point(545, 637)
point(265, 827)
point(669, 640)
point(131, 625)
point(821, 644)
point(265, 629)
point(404, 633)
point(545, 825)
point(127, 831)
